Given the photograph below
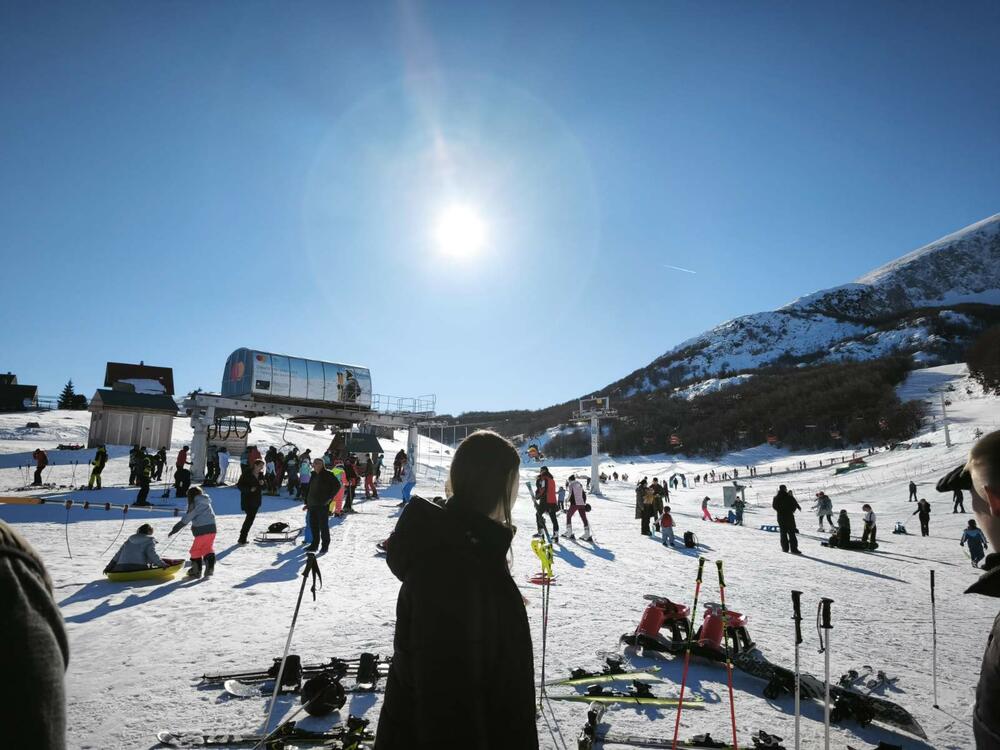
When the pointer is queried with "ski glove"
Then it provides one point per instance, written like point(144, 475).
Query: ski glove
point(177, 527)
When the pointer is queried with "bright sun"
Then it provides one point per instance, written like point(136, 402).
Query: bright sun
point(460, 231)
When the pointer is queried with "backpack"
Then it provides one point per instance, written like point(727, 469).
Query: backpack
point(690, 540)
point(277, 527)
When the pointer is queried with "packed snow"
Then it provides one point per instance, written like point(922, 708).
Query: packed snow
point(137, 650)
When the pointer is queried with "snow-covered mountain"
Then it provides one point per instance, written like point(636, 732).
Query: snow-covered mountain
point(927, 303)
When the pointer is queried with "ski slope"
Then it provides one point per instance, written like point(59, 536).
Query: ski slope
point(137, 650)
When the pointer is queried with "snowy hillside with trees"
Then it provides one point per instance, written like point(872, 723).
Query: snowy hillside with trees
point(137, 651)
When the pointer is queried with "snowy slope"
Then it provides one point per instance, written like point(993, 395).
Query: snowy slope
point(136, 651)
point(866, 319)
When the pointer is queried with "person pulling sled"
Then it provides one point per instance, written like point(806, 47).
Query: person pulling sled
point(201, 516)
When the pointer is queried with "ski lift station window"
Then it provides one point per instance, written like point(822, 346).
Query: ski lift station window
point(275, 377)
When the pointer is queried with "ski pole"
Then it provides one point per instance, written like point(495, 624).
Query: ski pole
point(72, 480)
point(823, 621)
point(729, 661)
point(311, 567)
point(687, 652)
point(797, 617)
point(934, 643)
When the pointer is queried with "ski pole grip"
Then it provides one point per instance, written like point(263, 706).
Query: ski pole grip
point(701, 567)
point(722, 580)
point(797, 615)
point(932, 586)
point(825, 609)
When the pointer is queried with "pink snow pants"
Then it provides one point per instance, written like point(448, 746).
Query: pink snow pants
point(576, 508)
point(202, 545)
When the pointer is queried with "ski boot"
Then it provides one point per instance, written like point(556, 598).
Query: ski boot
point(568, 532)
point(763, 739)
point(585, 536)
point(209, 565)
point(195, 570)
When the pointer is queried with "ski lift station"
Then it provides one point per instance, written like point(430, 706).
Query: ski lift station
point(306, 391)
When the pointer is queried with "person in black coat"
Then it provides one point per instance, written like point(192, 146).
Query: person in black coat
point(786, 505)
point(251, 486)
point(462, 673)
point(923, 514)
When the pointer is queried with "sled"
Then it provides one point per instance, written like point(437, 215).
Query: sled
point(267, 537)
point(150, 574)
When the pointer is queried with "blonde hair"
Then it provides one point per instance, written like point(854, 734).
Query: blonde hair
point(484, 473)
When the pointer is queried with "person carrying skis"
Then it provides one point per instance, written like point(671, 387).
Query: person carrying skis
point(545, 502)
point(786, 505)
point(913, 492)
point(868, 534)
point(706, 514)
point(138, 553)
point(251, 485)
point(843, 529)
point(201, 516)
point(323, 487)
point(452, 561)
point(958, 500)
point(667, 527)
point(923, 514)
point(824, 509)
point(99, 462)
point(41, 461)
point(977, 542)
point(577, 504)
point(980, 476)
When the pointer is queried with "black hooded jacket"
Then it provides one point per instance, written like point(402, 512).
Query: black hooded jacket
point(786, 505)
point(462, 671)
point(986, 716)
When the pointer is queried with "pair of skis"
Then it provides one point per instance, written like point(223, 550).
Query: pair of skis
point(362, 667)
point(350, 735)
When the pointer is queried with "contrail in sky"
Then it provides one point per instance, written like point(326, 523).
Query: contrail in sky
point(678, 268)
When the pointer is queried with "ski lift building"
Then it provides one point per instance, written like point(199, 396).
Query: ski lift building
point(129, 418)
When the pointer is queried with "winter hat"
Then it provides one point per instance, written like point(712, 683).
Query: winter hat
point(958, 478)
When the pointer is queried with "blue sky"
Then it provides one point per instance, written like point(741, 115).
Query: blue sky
point(181, 179)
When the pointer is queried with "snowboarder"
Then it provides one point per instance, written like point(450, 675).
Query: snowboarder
point(323, 486)
point(223, 465)
point(706, 514)
point(99, 462)
point(545, 502)
point(977, 542)
point(958, 500)
point(138, 553)
point(667, 527)
point(251, 484)
point(577, 504)
point(913, 492)
point(785, 504)
point(824, 509)
point(41, 461)
point(923, 514)
point(201, 516)
point(452, 561)
point(868, 534)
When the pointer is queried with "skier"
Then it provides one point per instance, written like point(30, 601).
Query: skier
point(269, 474)
point(369, 471)
point(409, 476)
point(182, 458)
point(959, 501)
point(923, 514)
point(323, 486)
point(739, 505)
point(201, 516)
point(706, 515)
point(138, 553)
point(35, 649)
point(667, 527)
point(159, 463)
point(843, 529)
point(786, 505)
point(351, 470)
point(223, 465)
point(868, 534)
point(143, 470)
point(977, 543)
point(379, 460)
point(913, 492)
point(561, 498)
point(41, 461)
point(99, 462)
point(452, 561)
point(133, 466)
point(824, 509)
point(337, 504)
point(545, 502)
point(251, 484)
point(577, 504)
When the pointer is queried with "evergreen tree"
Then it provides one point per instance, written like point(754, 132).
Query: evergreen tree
point(67, 396)
point(983, 359)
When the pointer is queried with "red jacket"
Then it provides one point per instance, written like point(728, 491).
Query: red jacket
point(41, 458)
point(182, 458)
point(666, 520)
point(548, 491)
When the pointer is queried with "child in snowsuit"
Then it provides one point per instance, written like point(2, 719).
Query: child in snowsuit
point(138, 553)
point(868, 534)
point(977, 543)
point(705, 513)
point(667, 527)
point(201, 516)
